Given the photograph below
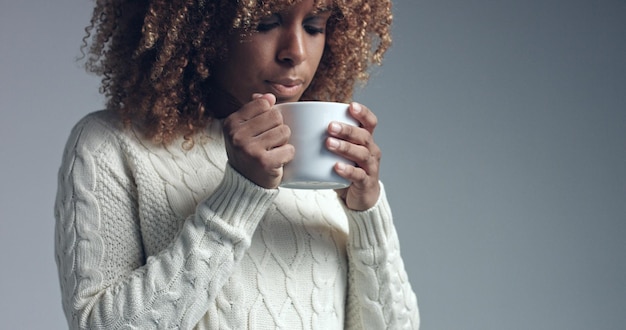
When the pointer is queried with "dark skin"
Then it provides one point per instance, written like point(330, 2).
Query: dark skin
point(256, 144)
point(288, 47)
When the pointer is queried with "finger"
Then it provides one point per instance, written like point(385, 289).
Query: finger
point(269, 97)
point(354, 174)
point(364, 191)
point(281, 155)
point(271, 160)
point(367, 158)
point(274, 137)
point(354, 143)
point(364, 116)
point(259, 134)
point(350, 133)
point(252, 120)
point(259, 104)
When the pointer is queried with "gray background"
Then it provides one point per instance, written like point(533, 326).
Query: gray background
point(503, 129)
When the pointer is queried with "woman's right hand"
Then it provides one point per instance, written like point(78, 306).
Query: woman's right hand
point(256, 141)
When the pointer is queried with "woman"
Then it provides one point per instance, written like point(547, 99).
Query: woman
point(168, 210)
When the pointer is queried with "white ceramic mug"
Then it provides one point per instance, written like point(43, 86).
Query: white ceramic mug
point(313, 164)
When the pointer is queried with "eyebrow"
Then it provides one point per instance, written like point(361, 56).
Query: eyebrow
point(321, 12)
point(322, 8)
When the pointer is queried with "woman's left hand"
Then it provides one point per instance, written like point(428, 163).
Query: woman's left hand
point(357, 144)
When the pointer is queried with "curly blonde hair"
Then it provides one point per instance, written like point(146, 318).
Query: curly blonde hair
point(155, 56)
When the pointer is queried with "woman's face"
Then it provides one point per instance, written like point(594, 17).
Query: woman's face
point(280, 57)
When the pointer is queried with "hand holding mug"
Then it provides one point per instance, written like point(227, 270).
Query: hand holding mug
point(357, 144)
point(256, 141)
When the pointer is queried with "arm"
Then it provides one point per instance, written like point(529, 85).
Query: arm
point(169, 290)
point(379, 293)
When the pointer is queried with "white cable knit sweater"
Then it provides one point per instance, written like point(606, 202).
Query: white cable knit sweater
point(154, 237)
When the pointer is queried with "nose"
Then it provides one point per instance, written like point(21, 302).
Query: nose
point(292, 48)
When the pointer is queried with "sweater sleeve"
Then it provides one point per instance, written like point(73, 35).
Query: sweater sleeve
point(379, 293)
point(170, 290)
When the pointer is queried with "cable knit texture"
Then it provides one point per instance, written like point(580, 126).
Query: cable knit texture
point(159, 237)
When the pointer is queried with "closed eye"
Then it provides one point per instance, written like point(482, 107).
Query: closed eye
point(314, 30)
point(269, 23)
point(313, 25)
point(316, 24)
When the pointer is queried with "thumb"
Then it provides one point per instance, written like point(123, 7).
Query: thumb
point(271, 98)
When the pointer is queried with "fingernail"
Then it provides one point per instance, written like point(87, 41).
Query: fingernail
point(341, 166)
point(272, 98)
point(256, 96)
point(333, 143)
point(335, 128)
point(356, 107)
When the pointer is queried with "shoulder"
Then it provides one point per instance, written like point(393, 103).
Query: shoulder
point(94, 133)
point(104, 128)
point(96, 125)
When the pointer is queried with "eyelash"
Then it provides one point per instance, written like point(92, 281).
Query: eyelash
point(314, 30)
point(264, 27)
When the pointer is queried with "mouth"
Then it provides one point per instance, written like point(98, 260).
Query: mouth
point(287, 89)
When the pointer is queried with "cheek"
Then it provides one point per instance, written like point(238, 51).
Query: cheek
point(252, 56)
point(316, 54)
point(239, 62)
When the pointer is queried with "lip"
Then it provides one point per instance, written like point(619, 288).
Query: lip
point(286, 88)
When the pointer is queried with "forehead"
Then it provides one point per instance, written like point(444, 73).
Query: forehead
point(250, 12)
point(281, 5)
point(323, 4)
